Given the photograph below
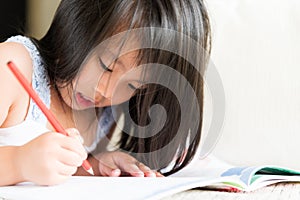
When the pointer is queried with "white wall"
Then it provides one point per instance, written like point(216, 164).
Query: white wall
point(256, 48)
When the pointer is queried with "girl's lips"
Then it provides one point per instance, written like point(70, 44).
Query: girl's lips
point(84, 101)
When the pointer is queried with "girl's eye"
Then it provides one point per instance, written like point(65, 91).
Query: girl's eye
point(104, 66)
point(131, 86)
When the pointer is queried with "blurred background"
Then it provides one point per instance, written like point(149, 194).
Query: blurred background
point(26, 16)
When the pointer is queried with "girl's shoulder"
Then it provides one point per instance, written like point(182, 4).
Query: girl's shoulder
point(10, 89)
point(23, 52)
point(16, 52)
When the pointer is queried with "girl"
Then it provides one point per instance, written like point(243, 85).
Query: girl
point(101, 60)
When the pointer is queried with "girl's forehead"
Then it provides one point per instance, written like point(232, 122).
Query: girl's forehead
point(122, 58)
point(121, 43)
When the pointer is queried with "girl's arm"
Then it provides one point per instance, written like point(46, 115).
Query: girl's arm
point(12, 93)
point(49, 158)
point(9, 171)
point(9, 90)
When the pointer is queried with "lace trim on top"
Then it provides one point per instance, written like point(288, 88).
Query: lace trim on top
point(40, 81)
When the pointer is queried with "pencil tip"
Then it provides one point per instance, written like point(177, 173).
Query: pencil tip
point(91, 171)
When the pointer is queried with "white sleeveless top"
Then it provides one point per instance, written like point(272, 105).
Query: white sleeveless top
point(35, 121)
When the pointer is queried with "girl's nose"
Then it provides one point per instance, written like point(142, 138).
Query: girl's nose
point(102, 90)
point(102, 93)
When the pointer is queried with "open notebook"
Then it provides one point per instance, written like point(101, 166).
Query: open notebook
point(209, 172)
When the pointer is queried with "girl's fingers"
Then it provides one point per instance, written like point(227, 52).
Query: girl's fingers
point(146, 170)
point(121, 164)
point(133, 170)
point(70, 158)
point(72, 144)
point(138, 169)
point(158, 174)
point(129, 165)
point(106, 169)
point(115, 173)
point(66, 170)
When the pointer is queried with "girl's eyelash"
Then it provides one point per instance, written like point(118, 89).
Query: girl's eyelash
point(107, 69)
point(104, 66)
point(131, 86)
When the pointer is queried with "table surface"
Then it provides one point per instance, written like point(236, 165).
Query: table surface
point(286, 191)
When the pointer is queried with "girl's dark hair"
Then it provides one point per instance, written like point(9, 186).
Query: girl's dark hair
point(80, 25)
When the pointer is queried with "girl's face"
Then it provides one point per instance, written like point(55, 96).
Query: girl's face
point(104, 81)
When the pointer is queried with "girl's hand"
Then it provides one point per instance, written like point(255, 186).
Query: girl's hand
point(50, 158)
point(118, 163)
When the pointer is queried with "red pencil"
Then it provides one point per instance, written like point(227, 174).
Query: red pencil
point(58, 127)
